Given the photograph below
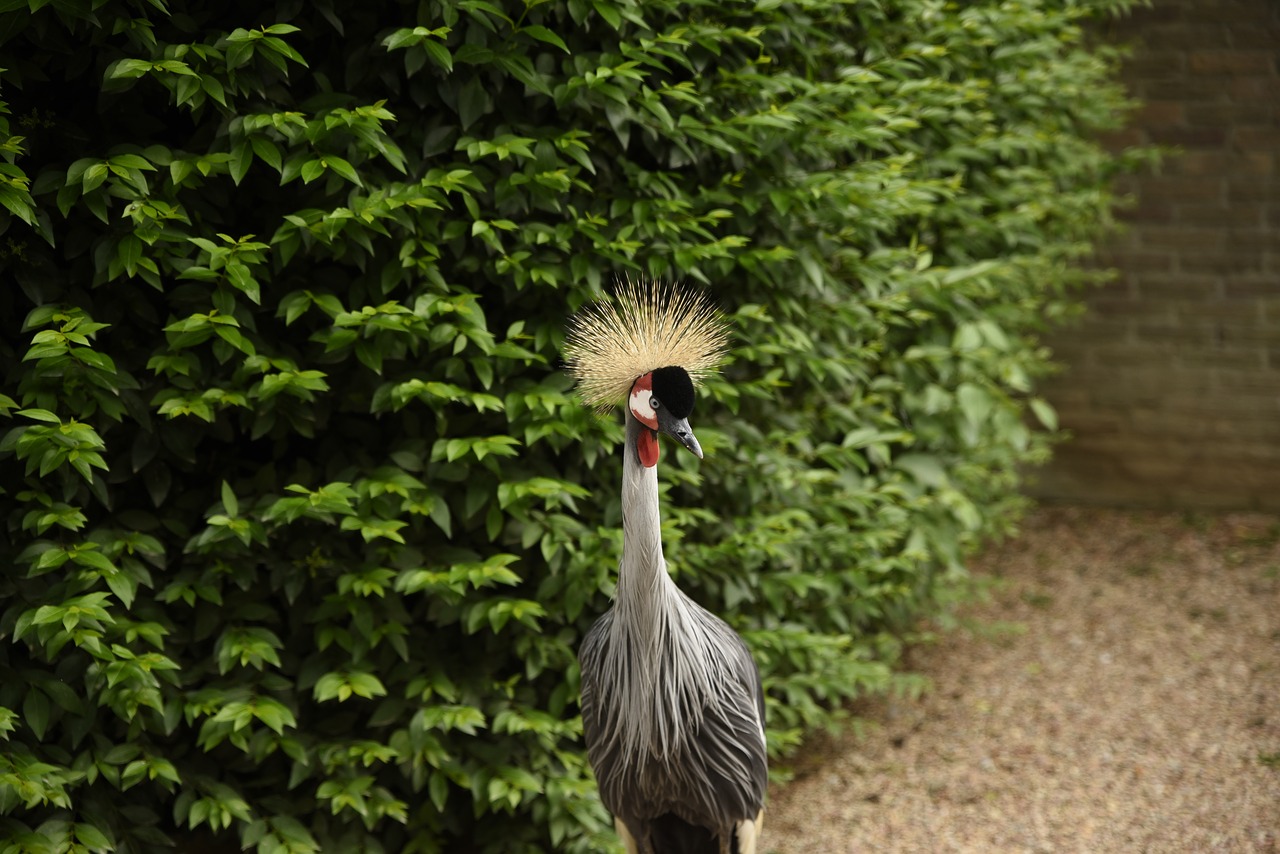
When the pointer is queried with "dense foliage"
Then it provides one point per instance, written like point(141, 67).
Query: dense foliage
point(302, 523)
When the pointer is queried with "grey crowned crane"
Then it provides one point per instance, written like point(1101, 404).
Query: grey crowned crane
point(672, 707)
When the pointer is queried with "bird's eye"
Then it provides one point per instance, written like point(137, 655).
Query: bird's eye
point(655, 403)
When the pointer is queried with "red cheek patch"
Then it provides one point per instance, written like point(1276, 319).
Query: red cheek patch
point(647, 447)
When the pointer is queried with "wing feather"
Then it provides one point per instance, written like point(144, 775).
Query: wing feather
point(716, 775)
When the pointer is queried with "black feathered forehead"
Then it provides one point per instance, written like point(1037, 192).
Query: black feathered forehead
point(673, 388)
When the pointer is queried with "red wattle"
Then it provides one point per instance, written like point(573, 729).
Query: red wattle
point(647, 446)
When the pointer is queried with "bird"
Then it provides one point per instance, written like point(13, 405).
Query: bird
point(673, 709)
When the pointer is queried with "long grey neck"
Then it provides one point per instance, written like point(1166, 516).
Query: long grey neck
point(643, 583)
point(661, 674)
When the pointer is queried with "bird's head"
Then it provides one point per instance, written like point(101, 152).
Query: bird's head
point(662, 400)
point(651, 345)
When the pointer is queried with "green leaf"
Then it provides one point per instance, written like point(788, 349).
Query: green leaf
point(925, 468)
point(473, 102)
point(91, 837)
point(342, 167)
point(1045, 413)
point(40, 415)
point(975, 402)
point(35, 713)
point(312, 169)
point(543, 34)
point(229, 502)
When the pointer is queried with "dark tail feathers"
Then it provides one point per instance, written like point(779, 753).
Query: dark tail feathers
point(671, 834)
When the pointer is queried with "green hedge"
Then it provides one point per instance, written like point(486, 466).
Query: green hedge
point(303, 525)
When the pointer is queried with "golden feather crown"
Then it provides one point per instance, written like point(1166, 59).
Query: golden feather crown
point(646, 326)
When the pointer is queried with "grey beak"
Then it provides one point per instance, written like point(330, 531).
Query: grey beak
point(680, 430)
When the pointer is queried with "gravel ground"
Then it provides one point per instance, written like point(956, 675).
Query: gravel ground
point(1134, 705)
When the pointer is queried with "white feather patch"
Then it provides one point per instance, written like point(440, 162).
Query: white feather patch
point(642, 408)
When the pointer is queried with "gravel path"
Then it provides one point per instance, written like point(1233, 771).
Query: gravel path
point(1133, 707)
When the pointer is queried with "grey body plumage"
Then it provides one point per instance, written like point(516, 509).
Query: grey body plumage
point(672, 706)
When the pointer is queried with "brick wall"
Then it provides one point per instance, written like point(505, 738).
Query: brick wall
point(1172, 386)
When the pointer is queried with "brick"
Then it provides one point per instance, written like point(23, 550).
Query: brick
point(1078, 357)
point(1075, 478)
point(1253, 241)
point(1119, 140)
point(1189, 137)
point(1133, 212)
point(1219, 216)
point(1093, 424)
point(1088, 474)
point(1201, 115)
point(1255, 162)
point(1232, 12)
point(1179, 425)
point(1252, 288)
point(1235, 408)
point(1260, 386)
point(1200, 163)
point(1127, 185)
point(1227, 262)
point(1235, 496)
point(1100, 329)
point(1110, 452)
point(1242, 357)
point(1252, 190)
point(1122, 397)
point(1138, 261)
point(1183, 406)
point(1119, 307)
point(1258, 38)
point(1178, 237)
point(1140, 283)
point(1172, 332)
point(1256, 335)
point(1225, 486)
point(1176, 34)
point(1067, 396)
point(1127, 279)
point(1090, 378)
point(1181, 188)
point(1189, 90)
point(1128, 240)
point(1159, 385)
point(1159, 460)
point(1260, 62)
point(1233, 313)
point(1180, 286)
point(1111, 289)
point(1119, 354)
point(1140, 19)
point(1210, 424)
point(1256, 138)
point(1164, 113)
point(1269, 303)
point(1258, 90)
point(1149, 63)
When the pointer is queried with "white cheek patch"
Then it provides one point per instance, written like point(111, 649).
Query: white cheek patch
point(642, 408)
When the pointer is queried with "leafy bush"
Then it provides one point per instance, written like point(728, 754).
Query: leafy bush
point(303, 523)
